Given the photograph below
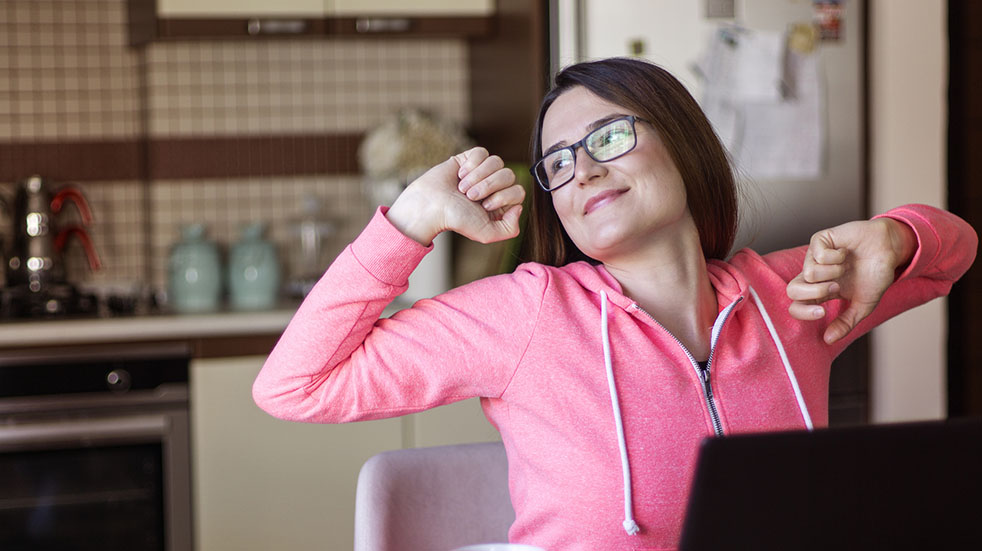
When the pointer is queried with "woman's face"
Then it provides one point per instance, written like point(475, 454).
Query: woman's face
point(621, 207)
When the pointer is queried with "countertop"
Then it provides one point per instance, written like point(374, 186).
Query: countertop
point(154, 327)
point(238, 328)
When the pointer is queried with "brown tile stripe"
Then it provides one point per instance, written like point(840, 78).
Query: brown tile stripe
point(253, 156)
point(178, 158)
point(71, 161)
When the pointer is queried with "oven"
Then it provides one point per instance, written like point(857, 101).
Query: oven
point(94, 448)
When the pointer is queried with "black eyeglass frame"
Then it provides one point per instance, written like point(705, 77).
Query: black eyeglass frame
point(582, 145)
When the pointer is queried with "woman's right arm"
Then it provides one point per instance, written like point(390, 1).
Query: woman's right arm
point(338, 362)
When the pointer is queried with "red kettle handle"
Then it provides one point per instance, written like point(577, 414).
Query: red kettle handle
point(82, 236)
point(77, 198)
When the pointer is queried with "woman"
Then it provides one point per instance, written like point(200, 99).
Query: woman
point(629, 339)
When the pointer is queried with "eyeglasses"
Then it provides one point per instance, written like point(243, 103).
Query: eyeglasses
point(612, 140)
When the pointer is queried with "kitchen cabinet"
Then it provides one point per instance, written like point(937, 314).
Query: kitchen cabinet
point(464, 18)
point(194, 19)
point(261, 483)
point(317, 8)
point(417, 7)
point(241, 8)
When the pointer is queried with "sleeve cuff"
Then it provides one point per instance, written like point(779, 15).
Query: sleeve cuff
point(928, 241)
point(385, 252)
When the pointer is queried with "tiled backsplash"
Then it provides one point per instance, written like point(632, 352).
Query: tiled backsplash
point(67, 74)
point(299, 86)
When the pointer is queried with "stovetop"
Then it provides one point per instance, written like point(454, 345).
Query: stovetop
point(61, 301)
point(55, 301)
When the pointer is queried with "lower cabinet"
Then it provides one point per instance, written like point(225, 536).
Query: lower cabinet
point(261, 483)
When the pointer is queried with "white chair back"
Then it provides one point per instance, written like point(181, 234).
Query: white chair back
point(433, 499)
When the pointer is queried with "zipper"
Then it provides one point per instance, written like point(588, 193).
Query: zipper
point(707, 390)
point(703, 374)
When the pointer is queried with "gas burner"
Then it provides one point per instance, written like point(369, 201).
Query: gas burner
point(54, 301)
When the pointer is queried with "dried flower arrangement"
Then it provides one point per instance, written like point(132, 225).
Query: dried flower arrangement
point(404, 146)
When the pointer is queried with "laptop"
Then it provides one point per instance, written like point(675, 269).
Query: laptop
point(894, 486)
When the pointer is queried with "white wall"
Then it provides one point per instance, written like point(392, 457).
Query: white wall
point(908, 112)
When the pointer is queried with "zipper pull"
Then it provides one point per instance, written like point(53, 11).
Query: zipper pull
point(703, 372)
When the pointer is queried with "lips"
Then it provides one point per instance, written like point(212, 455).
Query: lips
point(602, 198)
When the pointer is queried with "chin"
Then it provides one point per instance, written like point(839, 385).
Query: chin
point(600, 254)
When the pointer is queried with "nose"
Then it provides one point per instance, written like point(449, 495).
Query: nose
point(586, 168)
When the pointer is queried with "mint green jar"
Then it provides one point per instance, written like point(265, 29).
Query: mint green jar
point(253, 271)
point(194, 272)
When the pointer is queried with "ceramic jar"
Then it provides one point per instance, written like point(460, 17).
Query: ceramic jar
point(253, 271)
point(194, 272)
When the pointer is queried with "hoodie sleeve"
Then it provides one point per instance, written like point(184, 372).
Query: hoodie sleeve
point(338, 362)
point(946, 248)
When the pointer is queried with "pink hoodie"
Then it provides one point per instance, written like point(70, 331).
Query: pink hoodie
point(591, 457)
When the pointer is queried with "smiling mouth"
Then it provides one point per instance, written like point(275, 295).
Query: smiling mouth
point(601, 199)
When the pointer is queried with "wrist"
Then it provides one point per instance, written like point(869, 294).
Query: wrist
point(410, 216)
point(903, 240)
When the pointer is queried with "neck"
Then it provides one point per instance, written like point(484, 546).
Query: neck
point(669, 281)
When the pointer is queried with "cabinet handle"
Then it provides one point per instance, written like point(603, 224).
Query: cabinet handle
point(382, 25)
point(276, 26)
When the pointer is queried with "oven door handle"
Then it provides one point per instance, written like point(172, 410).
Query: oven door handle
point(85, 430)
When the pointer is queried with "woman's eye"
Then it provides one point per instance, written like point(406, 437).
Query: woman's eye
point(613, 135)
point(604, 139)
point(558, 163)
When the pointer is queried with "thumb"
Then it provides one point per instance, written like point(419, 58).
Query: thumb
point(847, 320)
point(824, 249)
point(505, 227)
point(510, 220)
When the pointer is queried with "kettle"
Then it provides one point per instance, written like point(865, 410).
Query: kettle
point(35, 254)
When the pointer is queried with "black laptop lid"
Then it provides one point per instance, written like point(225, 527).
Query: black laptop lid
point(897, 486)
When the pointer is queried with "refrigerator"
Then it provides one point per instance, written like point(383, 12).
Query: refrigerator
point(781, 205)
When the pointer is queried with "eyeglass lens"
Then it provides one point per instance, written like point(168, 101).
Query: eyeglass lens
point(603, 144)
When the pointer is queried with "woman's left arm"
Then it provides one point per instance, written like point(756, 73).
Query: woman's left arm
point(925, 247)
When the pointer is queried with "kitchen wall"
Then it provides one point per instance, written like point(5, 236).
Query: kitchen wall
point(908, 157)
point(67, 74)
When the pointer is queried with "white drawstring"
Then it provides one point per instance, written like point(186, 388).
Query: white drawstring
point(784, 358)
point(630, 526)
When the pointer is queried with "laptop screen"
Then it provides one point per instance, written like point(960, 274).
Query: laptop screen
point(896, 486)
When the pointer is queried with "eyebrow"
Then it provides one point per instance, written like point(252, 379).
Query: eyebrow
point(590, 128)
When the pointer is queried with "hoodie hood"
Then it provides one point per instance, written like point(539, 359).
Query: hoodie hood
point(730, 286)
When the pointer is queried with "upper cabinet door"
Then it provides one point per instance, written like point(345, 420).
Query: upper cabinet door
point(183, 19)
point(418, 8)
point(241, 8)
point(318, 8)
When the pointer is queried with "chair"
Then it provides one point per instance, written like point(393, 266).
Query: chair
point(433, 499)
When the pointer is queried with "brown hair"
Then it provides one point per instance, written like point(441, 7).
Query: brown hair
point(654, 95)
